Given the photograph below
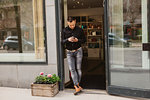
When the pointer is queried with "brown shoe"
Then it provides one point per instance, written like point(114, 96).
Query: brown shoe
point(80, 87)
point(77, 89)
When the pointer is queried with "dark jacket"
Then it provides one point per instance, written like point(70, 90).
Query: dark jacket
point(77, 33)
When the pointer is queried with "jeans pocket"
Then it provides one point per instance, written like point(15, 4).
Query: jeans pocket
point(69, 54)
point(80, 53)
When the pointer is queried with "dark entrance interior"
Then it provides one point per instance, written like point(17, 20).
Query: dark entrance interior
point(90, 17)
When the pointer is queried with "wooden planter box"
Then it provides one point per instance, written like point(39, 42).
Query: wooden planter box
point(46, 90)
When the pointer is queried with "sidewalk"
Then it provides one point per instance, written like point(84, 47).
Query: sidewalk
point(25, 94)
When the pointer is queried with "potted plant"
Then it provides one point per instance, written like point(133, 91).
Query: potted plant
point(45, 85)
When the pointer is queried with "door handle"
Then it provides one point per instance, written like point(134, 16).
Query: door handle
point(103, 3)
point(146, 46)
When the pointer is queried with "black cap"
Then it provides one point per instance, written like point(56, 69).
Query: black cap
point(70, 19)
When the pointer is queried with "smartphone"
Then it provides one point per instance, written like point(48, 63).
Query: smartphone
point(73, 37)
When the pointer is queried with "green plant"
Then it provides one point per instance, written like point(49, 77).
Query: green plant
point(46, 79)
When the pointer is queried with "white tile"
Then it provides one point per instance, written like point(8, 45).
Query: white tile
point(51, 35)
point(50, 2)
point(8, 75)
point(27, 73)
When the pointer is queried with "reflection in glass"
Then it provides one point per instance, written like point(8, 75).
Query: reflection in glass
point(125, 36)
point(129, 65)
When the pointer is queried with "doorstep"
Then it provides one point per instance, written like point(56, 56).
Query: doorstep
point(100, 95)
point(88, 91)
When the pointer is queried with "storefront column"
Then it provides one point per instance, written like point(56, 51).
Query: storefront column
point(145, 54)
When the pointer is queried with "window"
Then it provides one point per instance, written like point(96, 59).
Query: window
point(129, 63)
point(22, 31)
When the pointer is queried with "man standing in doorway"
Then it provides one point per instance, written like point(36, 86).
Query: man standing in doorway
point(72, 37)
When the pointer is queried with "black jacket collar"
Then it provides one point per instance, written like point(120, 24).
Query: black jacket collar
point(72, 29)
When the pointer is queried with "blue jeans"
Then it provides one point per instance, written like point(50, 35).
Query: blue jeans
point(74, 63)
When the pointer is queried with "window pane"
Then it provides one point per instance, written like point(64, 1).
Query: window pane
point(21, 31)
point(129, 64)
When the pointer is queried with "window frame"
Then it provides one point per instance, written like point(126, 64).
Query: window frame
point(114, 89)
point(45, 45)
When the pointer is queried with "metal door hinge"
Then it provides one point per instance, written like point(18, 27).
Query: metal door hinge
point(103, 3)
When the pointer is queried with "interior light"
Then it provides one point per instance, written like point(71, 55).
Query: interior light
point(78, 2)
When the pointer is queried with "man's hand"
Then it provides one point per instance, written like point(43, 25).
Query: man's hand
point(73, 39)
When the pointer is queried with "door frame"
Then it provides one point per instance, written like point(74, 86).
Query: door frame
point(60, 61)
point(60, 54)
point(111, 89)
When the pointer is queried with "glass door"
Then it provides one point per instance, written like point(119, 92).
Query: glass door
point(128, 47)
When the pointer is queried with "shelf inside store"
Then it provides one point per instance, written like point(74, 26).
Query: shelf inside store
point(94, 28)
point(94, 35)
point(93, 42)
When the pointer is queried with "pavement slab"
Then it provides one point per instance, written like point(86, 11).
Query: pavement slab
point(7, 93)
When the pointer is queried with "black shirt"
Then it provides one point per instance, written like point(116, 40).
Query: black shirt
point(77, 33)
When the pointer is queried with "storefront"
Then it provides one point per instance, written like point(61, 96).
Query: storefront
point(126, 35)
point(116, 51)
